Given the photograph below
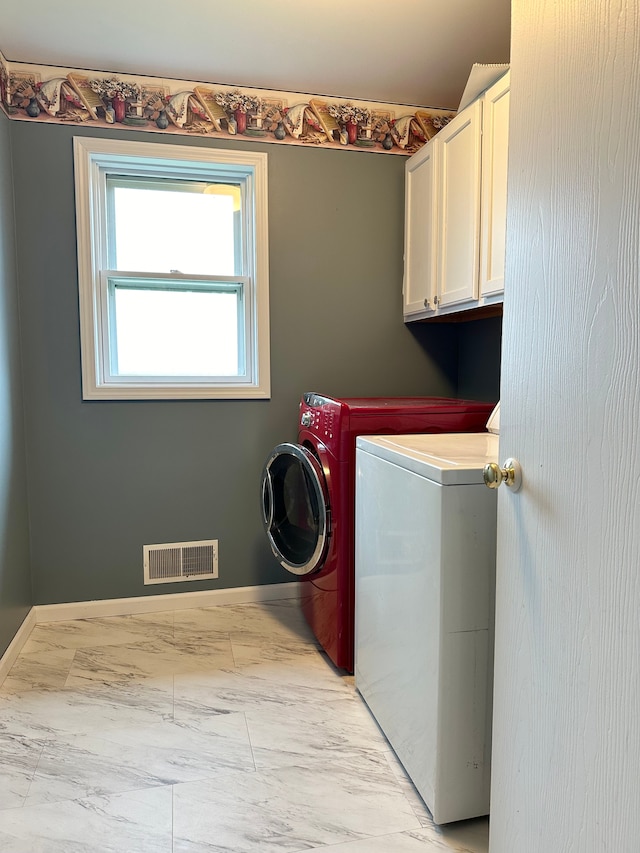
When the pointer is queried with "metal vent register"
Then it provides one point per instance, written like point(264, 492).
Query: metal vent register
point(180, 561)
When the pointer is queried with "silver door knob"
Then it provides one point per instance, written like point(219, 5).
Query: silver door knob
point(495, 476)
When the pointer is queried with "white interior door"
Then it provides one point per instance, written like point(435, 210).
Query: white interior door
point(566, 733)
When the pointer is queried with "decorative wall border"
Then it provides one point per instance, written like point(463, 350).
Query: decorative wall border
point(45, 93)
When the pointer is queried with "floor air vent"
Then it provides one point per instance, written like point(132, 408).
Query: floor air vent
point(180, 561)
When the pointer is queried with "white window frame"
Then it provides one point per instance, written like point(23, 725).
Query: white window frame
point(94, 159)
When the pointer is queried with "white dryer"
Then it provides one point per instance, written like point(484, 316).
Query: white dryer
point(425, 594)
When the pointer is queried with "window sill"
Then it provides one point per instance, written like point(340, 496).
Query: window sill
point(173, 392)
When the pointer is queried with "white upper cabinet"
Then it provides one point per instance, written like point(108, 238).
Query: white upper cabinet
point(459, 146)
point(420, 236)
point(455, 212)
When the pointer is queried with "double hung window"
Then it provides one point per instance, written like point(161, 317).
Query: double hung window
point(173, 271)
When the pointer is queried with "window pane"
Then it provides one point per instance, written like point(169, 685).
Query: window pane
point(176, 333)
point(191, 229)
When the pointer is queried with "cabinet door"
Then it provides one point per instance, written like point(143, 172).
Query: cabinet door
point(459, 222)
point(495, 141)
point(419, 286)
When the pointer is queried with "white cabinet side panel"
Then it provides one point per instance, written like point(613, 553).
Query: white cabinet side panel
point(398, 609)
point(495, 153)
point(425, 568)
point(466, 659)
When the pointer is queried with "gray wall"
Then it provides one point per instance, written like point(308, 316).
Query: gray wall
point(106, 478)
point(479, 351)
point(15, 583)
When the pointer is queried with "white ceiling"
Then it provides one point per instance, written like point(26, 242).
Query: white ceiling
point(398, 51)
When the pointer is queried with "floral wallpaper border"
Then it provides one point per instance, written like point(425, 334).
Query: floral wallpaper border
point(70, 96)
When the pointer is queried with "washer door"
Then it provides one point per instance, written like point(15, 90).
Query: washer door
point(295, 508)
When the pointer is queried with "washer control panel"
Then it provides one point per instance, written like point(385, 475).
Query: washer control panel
point(319, 414)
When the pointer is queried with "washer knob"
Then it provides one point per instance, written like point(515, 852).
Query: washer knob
point(306, 419)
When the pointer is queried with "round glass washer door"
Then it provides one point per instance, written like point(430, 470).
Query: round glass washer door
point(295, 508)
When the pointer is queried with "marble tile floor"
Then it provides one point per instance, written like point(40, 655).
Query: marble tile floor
point(219, 730)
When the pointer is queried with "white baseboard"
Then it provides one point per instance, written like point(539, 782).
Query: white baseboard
point(15, 646)
point(142, 604)
point(169, 601)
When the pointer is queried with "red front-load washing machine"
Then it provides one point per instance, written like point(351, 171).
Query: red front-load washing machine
point(308, 496)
